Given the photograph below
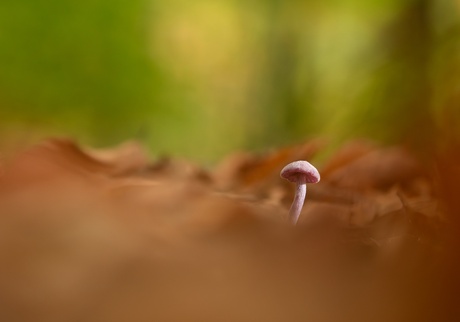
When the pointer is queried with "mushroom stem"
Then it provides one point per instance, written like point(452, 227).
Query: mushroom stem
point(297, 204)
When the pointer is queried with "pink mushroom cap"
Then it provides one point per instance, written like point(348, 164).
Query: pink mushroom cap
point(298, 169)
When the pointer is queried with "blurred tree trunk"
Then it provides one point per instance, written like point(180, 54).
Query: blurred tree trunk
point(282, 103)
point(397, 103)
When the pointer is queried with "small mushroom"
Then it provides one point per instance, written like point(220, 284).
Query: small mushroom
point(300, 172)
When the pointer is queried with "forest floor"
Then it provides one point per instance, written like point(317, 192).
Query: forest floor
point(112, 235)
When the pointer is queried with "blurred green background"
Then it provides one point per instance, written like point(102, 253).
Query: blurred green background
point(202, 78)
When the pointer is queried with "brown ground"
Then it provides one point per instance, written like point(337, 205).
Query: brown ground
point(110, 235)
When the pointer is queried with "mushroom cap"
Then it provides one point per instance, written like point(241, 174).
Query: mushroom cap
point(299, 169)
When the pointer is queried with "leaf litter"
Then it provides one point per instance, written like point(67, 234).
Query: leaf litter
point(112, 235)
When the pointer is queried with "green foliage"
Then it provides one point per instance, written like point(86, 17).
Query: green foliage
point(77, 64)
point(201, 78)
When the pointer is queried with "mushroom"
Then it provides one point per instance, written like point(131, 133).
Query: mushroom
point(300, 172)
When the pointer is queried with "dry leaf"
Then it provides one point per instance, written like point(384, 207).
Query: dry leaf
point(110, 236)
point(378, 169)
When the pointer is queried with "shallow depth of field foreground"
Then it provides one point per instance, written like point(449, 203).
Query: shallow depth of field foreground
point(112, 235)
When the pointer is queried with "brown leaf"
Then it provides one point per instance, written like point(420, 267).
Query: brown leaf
point(129, 157)
point(378, 169)
point(97, 236)
point(346, 154)
point(244, 170)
